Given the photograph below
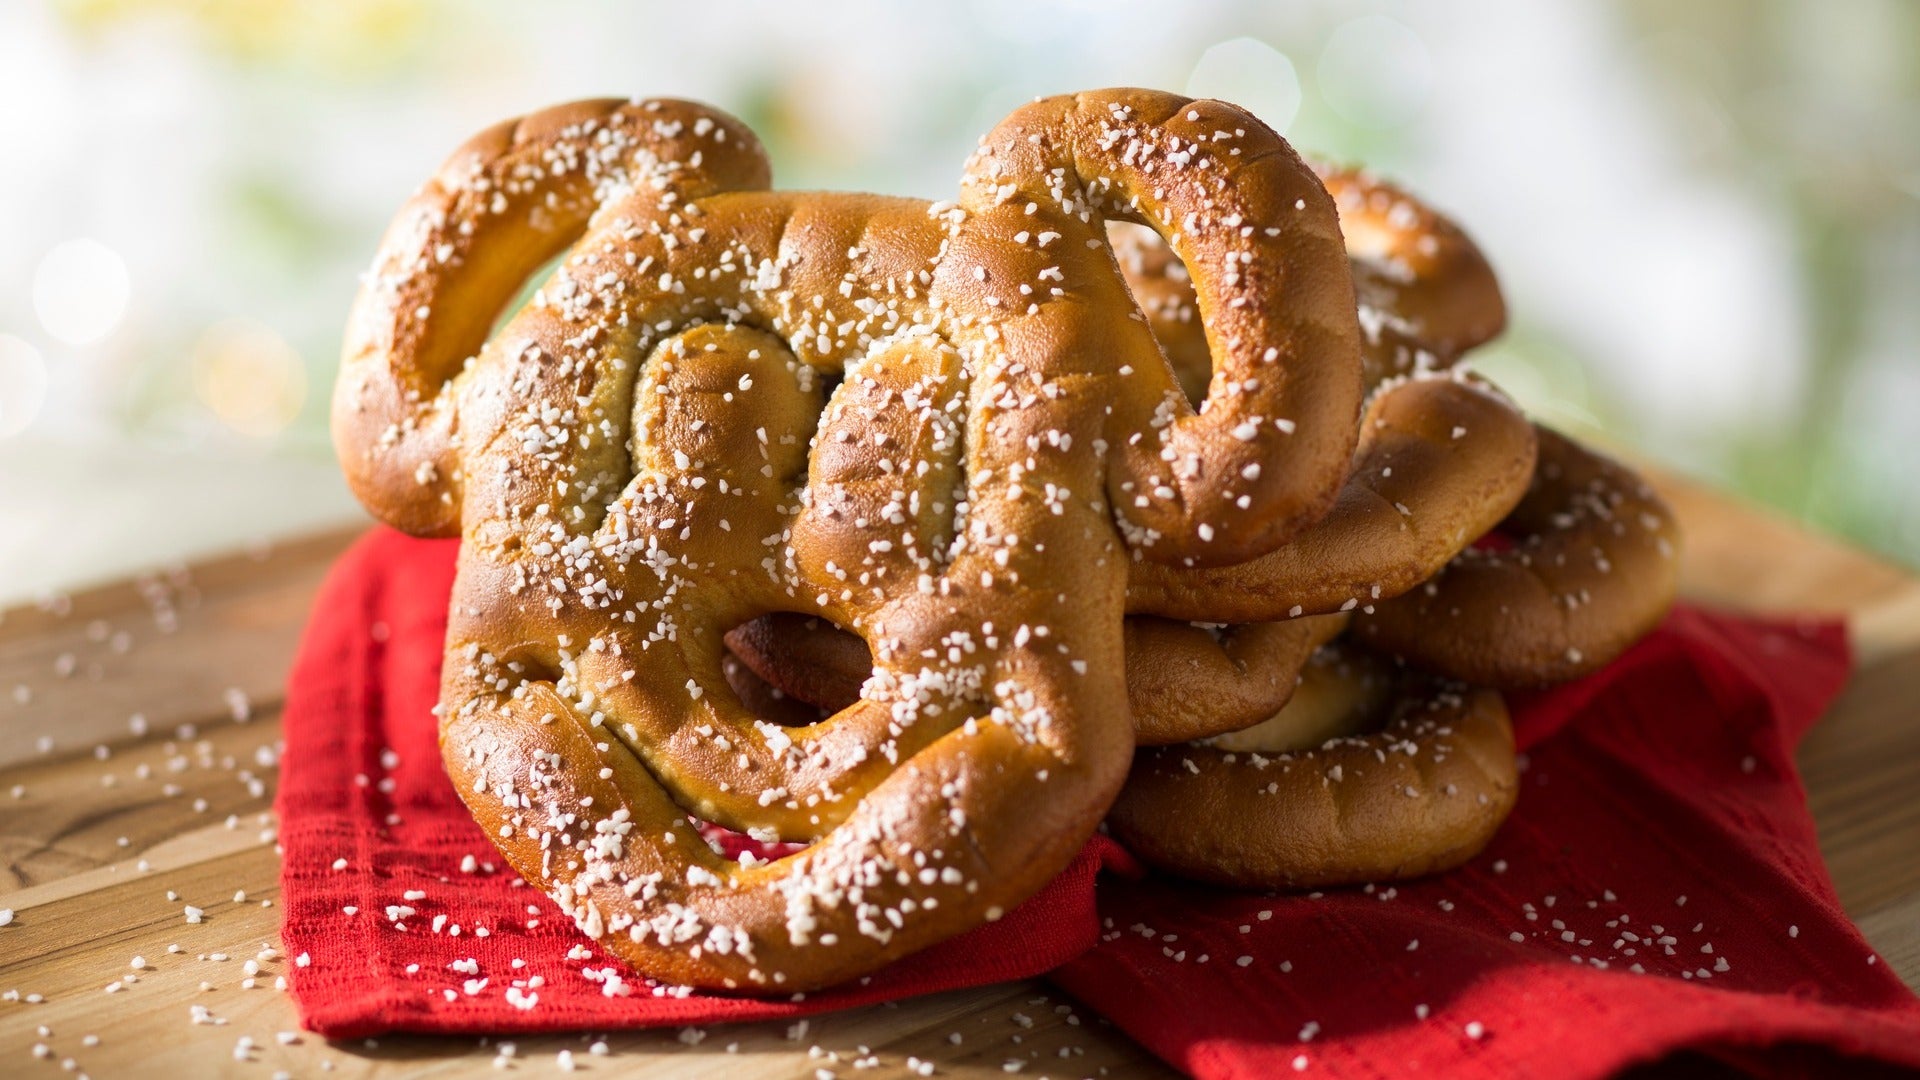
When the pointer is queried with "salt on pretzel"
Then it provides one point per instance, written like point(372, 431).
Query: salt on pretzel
point(1184, 680)
point(640, 460)
point(1440, 462)
point(1591, 566)
point(1368, 774)
point(1427, 295)
point(509, 200)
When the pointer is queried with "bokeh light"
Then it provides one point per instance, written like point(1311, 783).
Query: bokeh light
point(1375, 72)
point(23, 384)
point(1253, 75)
point(80, 291)
point(249, 377)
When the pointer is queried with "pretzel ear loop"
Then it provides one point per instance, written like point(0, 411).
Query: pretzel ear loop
point(503, 205)
point(952, 511)
point(1264, 457)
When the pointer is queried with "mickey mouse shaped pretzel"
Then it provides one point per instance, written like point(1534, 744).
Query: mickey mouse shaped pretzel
point(646, 456)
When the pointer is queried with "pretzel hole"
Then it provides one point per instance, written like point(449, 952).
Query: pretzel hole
point(1494, 543)
point(736, 846)
point(1344, 692)
point(1163, 290)
point(529, 663)
point(524, 292)
point(764, 701)
point(820, 664)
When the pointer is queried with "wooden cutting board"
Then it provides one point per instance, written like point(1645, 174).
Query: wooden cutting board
point(158, 702)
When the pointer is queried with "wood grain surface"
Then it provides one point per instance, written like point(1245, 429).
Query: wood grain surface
point(139, 741)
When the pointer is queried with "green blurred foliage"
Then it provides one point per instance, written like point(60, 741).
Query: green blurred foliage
point(1817, 108)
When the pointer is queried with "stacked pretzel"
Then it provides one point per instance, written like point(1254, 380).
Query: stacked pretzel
point(883, 531)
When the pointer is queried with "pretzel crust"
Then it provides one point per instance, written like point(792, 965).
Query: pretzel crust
point(1281, 807)
point(1427, 294)
point(1593, 567)
point(1184, 681)
point(644, 457)
point(1440, 462)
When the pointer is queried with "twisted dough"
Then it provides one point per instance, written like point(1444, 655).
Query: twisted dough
point(1440, 462)
point(640, 460)
point(1184, 681)
point(1368, 774)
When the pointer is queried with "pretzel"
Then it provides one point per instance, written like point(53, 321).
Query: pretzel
point(1368, 774)
point(640, 460)
point(1418, 274)
point(1184, 680)
point(1590, 567)
point(1440, 463)
point(1427, 294)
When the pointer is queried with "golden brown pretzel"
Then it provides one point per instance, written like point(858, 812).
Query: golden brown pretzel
point(1592, 567)
point(639, 460)
point(1418, 274)
point(1268, 454)
point(1440, 462)
point(1427, 294)
point(1184, 680)
point(1546, 613)
point(510, 199)
point(1369, 774)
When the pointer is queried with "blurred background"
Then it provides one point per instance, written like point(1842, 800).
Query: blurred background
point(1706, 215)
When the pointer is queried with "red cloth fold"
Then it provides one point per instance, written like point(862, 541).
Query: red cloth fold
point(1668, 775)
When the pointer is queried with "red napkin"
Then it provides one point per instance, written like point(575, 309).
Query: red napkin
point(1668, 776)
point(401, 916)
